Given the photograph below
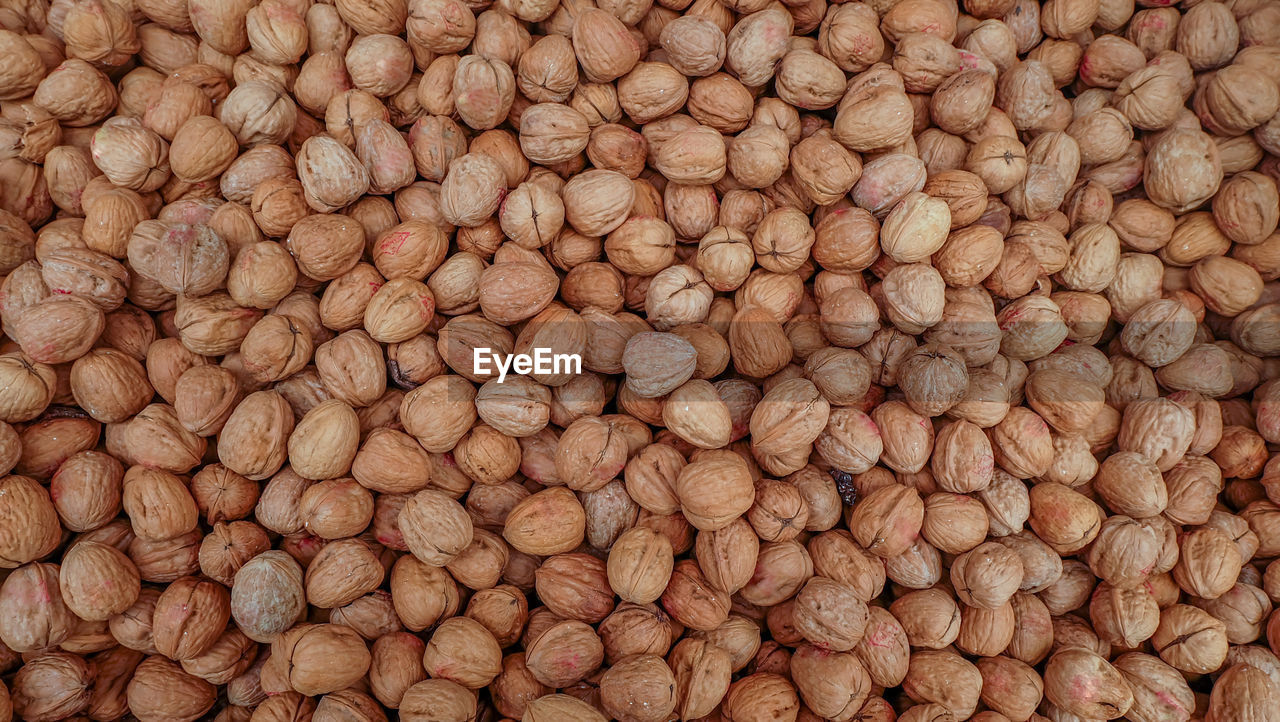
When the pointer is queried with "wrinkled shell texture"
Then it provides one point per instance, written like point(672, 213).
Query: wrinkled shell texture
point(640, 360)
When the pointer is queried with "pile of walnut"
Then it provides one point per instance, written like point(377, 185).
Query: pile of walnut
point(931, 360)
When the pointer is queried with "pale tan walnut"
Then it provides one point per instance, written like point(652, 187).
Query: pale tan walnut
point(551, 521)
point(472, 190)
point(695, 156)
point(484, 89)
point(658, 363)
point(913, 296)
point(873, 117)
point(847, 239)
point(564, 653)
point(727, 556)
point(1025, 93)
point(691, 600)
point(1150, 97)
point(782, 240)
point(32, 522)
point(258, 112)
point(179, 102)
point(639, 565)
point(261, 275)
point(202, 149)
point(487, 456)
point(445, 398)
point(87, 490)
point(755, 46)
point(576, 586)
point(791, 415)
point(1244, 210)
point(100, 32)
point(808, 80)
point(1207, 562)
point(679, 297)
point(465, 652)
point(1242, 690)
point(325, 246)
point(1182, 170)
point(1033, 328)
point(887, 520)
point(824, 169)
point(317, 659)
point(159, 504)
point(605, 50)
point(24, 73)
point(1108, 695)
point(336, 508)
point(399, 310)
point(189, 617)
point(379, 63)
point(441, 27)
point(702, 671)
point(58, 330)
point(757, 342)
point(652, 90)
point(349, 702)
point(514, 291)
point(130, 155)
point(833, 685)
point(946, 679)
point(640, 688)
point(532, 215)
point(714, 492)
point(76, 94)
point(98, 581)
point(696, 413)
point(650, 478)
point(325, 441)
point(161, 689)
point(590, 454)
point(1000, 161)
point(519, 407)
point(253, 442)
point(934, 378)
point(1208, 36)
point(436, 527)
point(597, 201)
point(547, 72)
point(961, 102)
point(642, 245)
point(229, 546)
point(440, 698)
point(88, 274)
point(275, 348)
point(1228, 286)
point(183, 259)
point(762, 693)
point(1159, 332)
point(331, 174)
point(267, 595)
point(695, 45)
point(829, 613)
point(1063, 518)
point(1153, 29)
